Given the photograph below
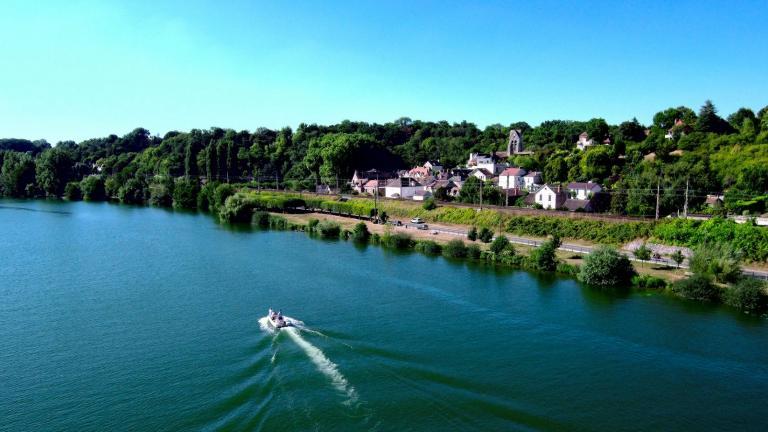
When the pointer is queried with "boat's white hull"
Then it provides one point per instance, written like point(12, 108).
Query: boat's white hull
point(279, 324)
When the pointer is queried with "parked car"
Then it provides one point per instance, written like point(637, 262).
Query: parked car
point(417, 220)
point(422, 227)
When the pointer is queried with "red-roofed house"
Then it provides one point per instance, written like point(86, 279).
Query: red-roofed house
point(512, 178)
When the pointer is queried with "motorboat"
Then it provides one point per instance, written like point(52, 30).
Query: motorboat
point(277, 320)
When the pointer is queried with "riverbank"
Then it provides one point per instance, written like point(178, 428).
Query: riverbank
point(669, 274)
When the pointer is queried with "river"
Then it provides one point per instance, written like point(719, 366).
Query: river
point(129, 318)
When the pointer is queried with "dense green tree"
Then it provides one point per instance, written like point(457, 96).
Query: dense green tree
point(53, 170)
point(709, 121)
point(72, 191)
point(17, 175)
point(93, 188)
point(606, 267)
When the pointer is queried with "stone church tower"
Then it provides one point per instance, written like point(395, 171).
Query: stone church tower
point(515, 143)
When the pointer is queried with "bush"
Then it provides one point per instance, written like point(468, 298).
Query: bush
point(398, 241)
point(472, 234)
point(499, 244)
point(312, 224)
point(485, 235)
point(185, 193)
point(132, 192)
point(697, 287)
point(72, 191)
point(429, 204)
point(606, 267)
point(719, 261)
point(544, 257)
point(748, 295)
point(647, 282)
point(205, 196)
point(375, 238)
point(221, 193)
point(360, 233)
point(93, 189)
point(261, 219)
point(160, 193)
point(329, 229)
point(474, 251)
point(567, 269)
point(455, 249)
point(236, 208)
point(429, 247)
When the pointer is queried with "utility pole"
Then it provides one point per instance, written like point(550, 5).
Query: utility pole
point(481, 194)
point(685, 206)
point(277, 180)
point(658, 184)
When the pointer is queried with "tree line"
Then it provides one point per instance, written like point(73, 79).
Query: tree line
point(683, 154)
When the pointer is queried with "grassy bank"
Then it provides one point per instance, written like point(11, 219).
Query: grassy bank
point(751, 240)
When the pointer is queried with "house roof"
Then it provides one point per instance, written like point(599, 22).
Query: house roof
point(373, 183)
point(513, 172)
point(575, 204)
point(482, 170)
point(403, 182)
point(533, 174)
point(581, 185)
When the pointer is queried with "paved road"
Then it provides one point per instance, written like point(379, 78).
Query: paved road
point(460, 232)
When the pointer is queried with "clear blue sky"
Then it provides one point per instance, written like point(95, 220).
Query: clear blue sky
point(80, 69)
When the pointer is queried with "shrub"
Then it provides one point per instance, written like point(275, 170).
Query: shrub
point(185, 194)
point(485, 235)
point(398, 241)
point(375, 238)
point(132, 192)
point(277, 222)
point(678, 257)
point(72, 191)
point(455, 249)
point(429, 247)
point(236, 208)
point(544, 258)
point(567, 269)
point(748, 295)
point(346, 234)
point(719, 261)
point(329, 229)
point(474, 251)
point(312, 224)
point(429, 204)
point(93, 189)
point(642, 252)
point(221, 193)
point(360, 233)
point(696, 287)
point(499, 244)
point(160, 193)
point(472, 234)
point(605, 267)
point(205, 196)
point(647, 282)
point(261, 218)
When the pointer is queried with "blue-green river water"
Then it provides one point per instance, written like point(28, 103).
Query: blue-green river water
point(139, 319)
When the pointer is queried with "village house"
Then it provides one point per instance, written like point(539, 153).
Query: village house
point(514, 145)
point(419, 173)
point(482, 174)
point(714, 201)
point(680, 128)
point(512, 178)
point(371, 186)
point(403, 187)
point(550, 197)
point(421, 195)
point(584, 141)
point(324, 189)
point(487, 162)
point(532, 180)
point(583, 191)
point(433, 166)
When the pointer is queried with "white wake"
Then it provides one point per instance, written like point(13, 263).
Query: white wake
point(324, 365)
point(316, 355)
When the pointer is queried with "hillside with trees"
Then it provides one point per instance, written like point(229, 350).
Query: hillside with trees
point(682, 149)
